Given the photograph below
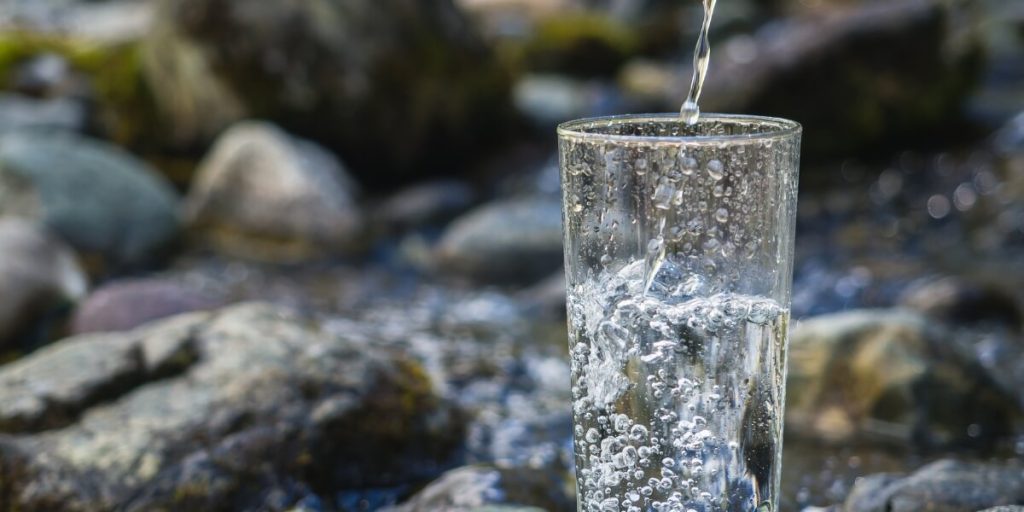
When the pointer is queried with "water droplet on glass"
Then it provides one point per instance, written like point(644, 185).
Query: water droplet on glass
point(716, 169)
point(687, 164)
point(663, 195)
point(722, 215)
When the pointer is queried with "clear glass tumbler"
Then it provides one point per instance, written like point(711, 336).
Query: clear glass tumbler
point(679, 256)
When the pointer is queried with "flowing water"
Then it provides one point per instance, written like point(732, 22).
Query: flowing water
point(676, 392)
point(690, 111)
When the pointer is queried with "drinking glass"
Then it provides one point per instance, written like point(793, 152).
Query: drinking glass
point(678, 257)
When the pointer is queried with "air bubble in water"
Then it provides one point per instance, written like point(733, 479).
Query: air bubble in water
point(716, 169)
point(722, 215)
point(687, 164)
point(640, 166)
point(663, 196)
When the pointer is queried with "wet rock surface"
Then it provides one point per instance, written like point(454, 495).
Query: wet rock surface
point(219, 411)
point(473, 487)
point(943, 486)
point(894, 377)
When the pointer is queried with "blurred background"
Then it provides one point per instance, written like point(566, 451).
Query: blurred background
point(305, 254)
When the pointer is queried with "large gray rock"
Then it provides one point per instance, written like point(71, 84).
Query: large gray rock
point(126, 304)
point(516, 241)
point(37, 273)
point(856, 76)
point(247, 408)
point(943, 486)
point(891, 376)
point(469, 488)
point(112, 208)
point(262, 194)
point(389, 84)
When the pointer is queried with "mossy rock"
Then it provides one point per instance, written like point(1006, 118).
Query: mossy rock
point(388, 85)
point(582, 44)
point(125, 110)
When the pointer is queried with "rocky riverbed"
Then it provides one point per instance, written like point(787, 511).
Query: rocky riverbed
point(319, 268)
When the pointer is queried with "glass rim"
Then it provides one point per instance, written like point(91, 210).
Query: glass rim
point(578, 128)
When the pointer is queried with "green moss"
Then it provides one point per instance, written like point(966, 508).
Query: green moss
point(581, 44)
point(126, 112)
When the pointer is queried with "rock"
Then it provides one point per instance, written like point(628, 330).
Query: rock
point(964, 302)
point(474, 487)
point(23, 113)
point(856, 78)
point(389, 85)
point(547, 100)
point(104, 76)
point(580, 44)
point(515, 241)
point(125, 305)
point(943, 486)
point(250, 407)
point(113, 209)
point(38, 272)
point(891, 376)
point(427, 204)
point(1010, 508)
point(262, 194)
point(53, 386)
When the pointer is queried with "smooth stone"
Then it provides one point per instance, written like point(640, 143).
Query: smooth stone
point(231, 410)
point(472, 487)
point(515, 241)
point(38, 273)
point(264, 195)
point(943, 486)
point(127, 304)
point(891, 377)
point(398, 88)
point(113, 209)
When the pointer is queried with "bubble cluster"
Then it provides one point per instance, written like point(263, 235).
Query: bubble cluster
point(664, 382)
